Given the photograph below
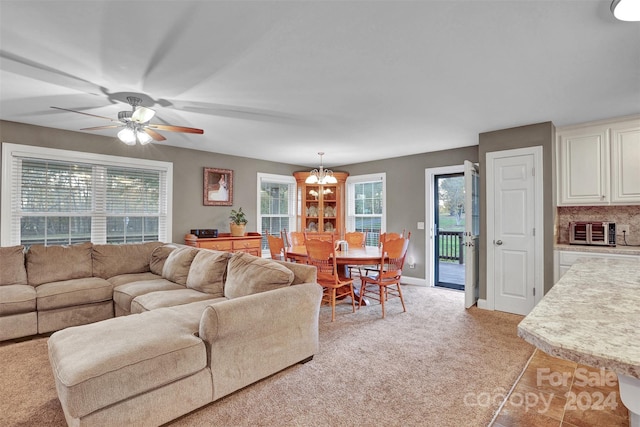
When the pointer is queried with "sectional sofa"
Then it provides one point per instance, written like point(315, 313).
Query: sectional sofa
point(149, 332)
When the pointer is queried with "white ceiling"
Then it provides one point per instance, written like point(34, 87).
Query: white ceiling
point(283, 80)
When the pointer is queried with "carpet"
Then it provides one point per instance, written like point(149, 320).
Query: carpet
point(435, 365)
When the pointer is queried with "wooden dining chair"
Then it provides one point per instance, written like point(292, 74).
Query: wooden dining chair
point(322, 255)
point(386, 282)
point(384, 236)
point(276, 246)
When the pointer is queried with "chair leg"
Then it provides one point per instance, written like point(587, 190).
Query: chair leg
point(353, 299)
point(404, 309)
point(362, 286)
point(333, 304)
point(383, 295)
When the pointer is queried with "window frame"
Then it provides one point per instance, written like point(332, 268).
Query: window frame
point(275, 179)
point(9, 176)
point(350, 198)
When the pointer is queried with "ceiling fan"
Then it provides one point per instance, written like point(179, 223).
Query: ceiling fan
point(136, 124)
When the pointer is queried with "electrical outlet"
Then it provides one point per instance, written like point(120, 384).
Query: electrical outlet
point(622, 229)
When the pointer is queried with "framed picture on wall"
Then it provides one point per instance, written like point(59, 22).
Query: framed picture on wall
point(218, 187)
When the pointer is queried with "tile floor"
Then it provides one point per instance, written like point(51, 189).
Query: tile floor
point(560, 393)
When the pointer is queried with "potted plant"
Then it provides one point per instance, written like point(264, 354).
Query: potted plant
point(238, 222)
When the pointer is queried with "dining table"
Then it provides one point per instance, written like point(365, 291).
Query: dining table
point(367, 255)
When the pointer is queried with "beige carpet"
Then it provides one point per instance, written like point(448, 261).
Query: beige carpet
point(436, 365)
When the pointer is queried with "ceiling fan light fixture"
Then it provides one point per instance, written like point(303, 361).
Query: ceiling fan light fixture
point(142, 114)
point(143, 137)
point(626, 10)
point(128, 136)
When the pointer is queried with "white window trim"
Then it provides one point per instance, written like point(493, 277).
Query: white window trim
point(10, 150)
point(357, 179)
point(277, 179)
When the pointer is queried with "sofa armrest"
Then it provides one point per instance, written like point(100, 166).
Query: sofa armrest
point(252, 337)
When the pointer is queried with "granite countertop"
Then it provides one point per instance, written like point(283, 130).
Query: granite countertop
point(619, 249)
point(591, 316)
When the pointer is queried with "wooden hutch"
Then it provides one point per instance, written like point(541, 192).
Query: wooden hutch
point(321, 207)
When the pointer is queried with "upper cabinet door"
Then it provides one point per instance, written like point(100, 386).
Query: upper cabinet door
point(625, 163)
point(584, 167)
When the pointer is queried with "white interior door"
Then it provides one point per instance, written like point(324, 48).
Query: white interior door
point(472, 232)
point(514, 199)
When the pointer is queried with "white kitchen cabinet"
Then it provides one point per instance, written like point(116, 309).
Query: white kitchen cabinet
point(597, 164)
point(625, 163)
point(563, 260)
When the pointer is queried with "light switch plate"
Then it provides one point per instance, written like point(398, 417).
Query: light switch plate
point(421, 225)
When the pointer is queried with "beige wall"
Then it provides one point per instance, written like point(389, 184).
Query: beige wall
point(188, 209)
point(543, 135)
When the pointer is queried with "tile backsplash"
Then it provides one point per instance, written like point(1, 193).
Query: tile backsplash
point(618, 214)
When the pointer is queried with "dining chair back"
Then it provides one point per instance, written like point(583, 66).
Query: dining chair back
point(321, 235)
point(276, 246)
point(296, 238)
point(386, 282)
point(322, 255)
point(356, 239)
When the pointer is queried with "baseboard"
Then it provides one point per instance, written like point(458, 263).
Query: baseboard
point(413, 281)
point(482, 303)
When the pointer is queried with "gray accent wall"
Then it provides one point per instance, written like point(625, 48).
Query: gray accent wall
point(406, 204)
point(542, 134)
point(188, 208)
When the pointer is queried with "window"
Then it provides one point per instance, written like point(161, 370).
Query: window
point(276, 205)
point(366, 205)
point(62, 197)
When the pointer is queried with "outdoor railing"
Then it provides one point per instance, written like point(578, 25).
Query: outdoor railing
point(451, 246)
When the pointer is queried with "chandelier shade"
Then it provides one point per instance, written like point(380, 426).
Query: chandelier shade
point(321, 176)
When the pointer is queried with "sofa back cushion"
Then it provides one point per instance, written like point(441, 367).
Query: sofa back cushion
point(248, 274)
point(176, 266)
point(47, 264)
point(207, 272)
point(12, 269)
point(113, 260)
point(159, 256)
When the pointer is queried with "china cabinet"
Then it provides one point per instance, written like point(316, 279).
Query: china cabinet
point(321, 206)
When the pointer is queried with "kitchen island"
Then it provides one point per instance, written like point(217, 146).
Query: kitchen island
point(592, 316)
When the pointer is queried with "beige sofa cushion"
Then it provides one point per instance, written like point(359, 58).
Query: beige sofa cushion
point(55, 263)
point(103, 363)
point(16, 299)
point(176, 267)
point(248, 274)
point(12, 269)
point(74, 292)
point(112, 260)
point(207, 271)
point(159, 299)
point(123, 279)
point(159, 256)
point(123, 295)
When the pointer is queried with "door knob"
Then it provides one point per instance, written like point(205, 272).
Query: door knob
point(498, 242)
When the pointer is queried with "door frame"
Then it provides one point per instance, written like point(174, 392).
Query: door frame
point(429, 181)
point(537, 152)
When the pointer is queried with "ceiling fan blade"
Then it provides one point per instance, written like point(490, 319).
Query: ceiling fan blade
point(153, 134)
point(104, 127)
point(142, 114)
point(87, 114)
point(170, 128)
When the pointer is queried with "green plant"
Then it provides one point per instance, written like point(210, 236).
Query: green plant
point(238, 217)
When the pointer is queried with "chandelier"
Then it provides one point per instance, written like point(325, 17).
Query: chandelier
point(626, 10)
point(321, 176)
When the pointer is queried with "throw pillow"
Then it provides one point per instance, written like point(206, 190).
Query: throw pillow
point(207, 272)
point(176, 267)
point(158, 258)
point(12, 269)
point(248, 274)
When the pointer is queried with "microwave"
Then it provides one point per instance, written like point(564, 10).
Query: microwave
point(592, 233)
